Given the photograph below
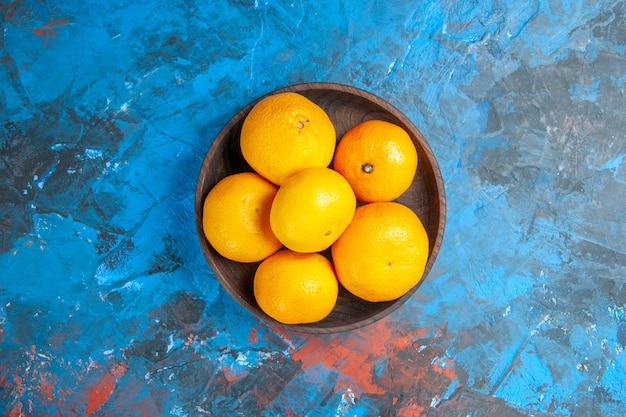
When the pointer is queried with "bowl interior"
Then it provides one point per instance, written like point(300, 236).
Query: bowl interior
point(346, 106)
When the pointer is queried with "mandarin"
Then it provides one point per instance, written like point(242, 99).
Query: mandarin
point(383, 252)
point(311, 209)
point(296, 288)
point(285, 133)
point(236, 217)
point(378, 159)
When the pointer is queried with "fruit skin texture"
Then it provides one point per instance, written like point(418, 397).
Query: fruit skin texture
point(296, 288)
point(285, 133)
point(311, 209)
point(378, 159)
point(236, 216)
point(383, 252)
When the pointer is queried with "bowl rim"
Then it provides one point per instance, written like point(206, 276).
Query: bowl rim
point(428, 153)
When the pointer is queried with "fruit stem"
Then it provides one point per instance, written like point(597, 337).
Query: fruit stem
point(367, 168)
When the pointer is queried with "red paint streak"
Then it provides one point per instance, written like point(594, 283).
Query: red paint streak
point(411, 409)
point(16, 411)
point(50, 29)
point(445, 367)
point(419, 333)
point(19, 383)
point(9, 9)
point(12, 387)
point(46, 387)
point(253, 337)
point(382, 359)
point(101, 392)
point(231, 376)
point(282, 333)
point(119, 369)
point(352, 354)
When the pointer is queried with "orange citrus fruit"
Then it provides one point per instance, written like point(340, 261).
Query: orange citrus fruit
point(284, 133)
point(236, 217)
point(378, 159)
point(383, 252)
point(311, 209)
point(296, 288)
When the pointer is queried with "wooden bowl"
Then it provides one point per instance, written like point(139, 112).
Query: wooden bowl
point(346, 106)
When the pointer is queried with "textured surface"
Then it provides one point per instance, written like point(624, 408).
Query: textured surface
point(107, 306)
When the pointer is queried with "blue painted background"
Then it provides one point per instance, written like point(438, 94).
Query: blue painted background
point(107, 306)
